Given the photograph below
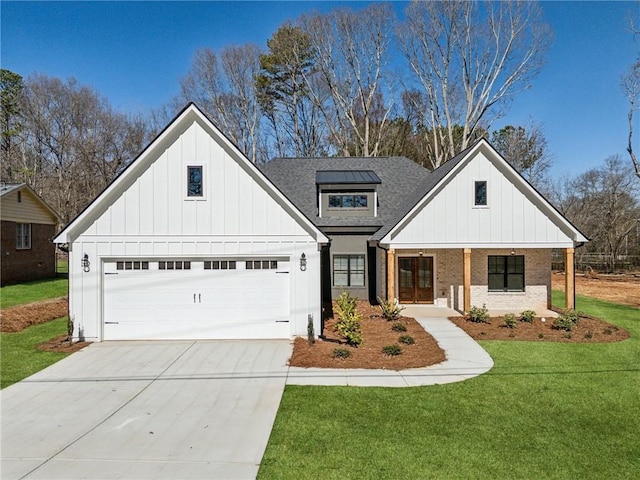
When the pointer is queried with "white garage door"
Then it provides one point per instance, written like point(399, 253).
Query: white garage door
point(204, 299)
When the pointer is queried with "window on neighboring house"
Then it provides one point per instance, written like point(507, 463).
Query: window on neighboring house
point(348, 270)
point(481, 193)
point(506, 273)
point(23, 236)
point(347, 201)
point(194, 181)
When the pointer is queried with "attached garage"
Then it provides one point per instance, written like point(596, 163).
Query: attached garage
point(173, 299)
point(192, 241)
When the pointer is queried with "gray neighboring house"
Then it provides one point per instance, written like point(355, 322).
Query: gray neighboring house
point(471, 232)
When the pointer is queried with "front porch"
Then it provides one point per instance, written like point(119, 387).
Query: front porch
point(505, 280)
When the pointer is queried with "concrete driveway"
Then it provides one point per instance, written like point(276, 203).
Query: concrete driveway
point(161, 410)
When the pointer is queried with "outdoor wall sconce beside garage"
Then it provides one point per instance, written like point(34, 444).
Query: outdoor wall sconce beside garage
point(303, 262)
point(86, 265)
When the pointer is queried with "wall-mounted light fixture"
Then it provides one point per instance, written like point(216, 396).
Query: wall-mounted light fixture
point(86, 265)
point(303, 262)
point(513, 251)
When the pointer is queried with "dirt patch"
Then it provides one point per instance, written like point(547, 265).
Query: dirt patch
point(61, 344)
point(588, 330)
point(623, 289)
point(377, 333)
point(18, 318)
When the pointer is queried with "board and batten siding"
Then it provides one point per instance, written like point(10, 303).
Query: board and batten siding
point(29, 210)
point(156, 202)
point(450, 219)
point(149, 216)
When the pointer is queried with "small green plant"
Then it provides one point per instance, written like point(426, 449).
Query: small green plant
point(391, 310)
point(348, 324)
point(398, 327)
point(311, 335)
point(406, 339)
point(588, 335)
point(541, 335)
point(607, 331)
point(567, 335)
point(479, 314)
point(566, 320)
point(510, 320)
point(527, 316)
point(392, 350)
point(341, 353)
point(70, 329)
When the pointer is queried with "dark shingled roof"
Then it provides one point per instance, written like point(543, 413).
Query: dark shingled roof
point(403, 183)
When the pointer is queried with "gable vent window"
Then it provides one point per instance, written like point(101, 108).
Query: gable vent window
point(174, 265)
point(194, 181)
point(480, 193)
point(19, 197)
point(132, 265)
point(220, 265)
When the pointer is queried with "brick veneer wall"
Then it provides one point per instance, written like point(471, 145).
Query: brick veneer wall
point(29, 264)
point(448, 288)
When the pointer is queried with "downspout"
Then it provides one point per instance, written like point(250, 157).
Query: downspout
point(386, 263)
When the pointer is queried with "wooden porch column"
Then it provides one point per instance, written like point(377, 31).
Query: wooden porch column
point(466, 279)
point(391, 275)
point(569, 279)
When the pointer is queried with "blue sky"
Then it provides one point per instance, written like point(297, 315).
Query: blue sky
point(133, 53)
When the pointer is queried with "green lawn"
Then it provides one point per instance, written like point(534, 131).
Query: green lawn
point(546, 410)
point(33, 291)
point(19, 356)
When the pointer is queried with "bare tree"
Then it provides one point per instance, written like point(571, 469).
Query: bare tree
point(352, 84)
point(73, 143)
point(603, 203)
point(527, 151)
point(630, 84)
point(470, 59)
point(225, 90)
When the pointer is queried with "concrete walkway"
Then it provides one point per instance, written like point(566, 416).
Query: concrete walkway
point(465, 359)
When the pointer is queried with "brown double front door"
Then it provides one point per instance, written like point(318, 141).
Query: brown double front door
point(415, 275)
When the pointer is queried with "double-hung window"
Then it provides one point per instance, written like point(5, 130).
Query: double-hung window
point(23, 236)
point(348, 270)
point(506, 273)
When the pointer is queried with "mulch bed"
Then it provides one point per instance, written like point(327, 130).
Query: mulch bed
point(377, 333)
point(16, 319)
point(588, 330)
point(61, 344)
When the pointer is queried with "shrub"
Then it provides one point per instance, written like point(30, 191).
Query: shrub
point(392, 350)
point(398, 327)
point(406, 339)
point(391, 310)
point(527, 316)
point(510, 320)
point(341, 353)
point(566, 320)
point(479, 314)
point(348, 324)
point(311, 335)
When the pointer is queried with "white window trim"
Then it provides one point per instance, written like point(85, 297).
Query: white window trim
point(473, 193)
point(185, 182)
point(20, 246)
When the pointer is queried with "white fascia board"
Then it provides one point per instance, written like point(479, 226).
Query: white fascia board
point(388, 238)
point(554, 215)
point(189, 115)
